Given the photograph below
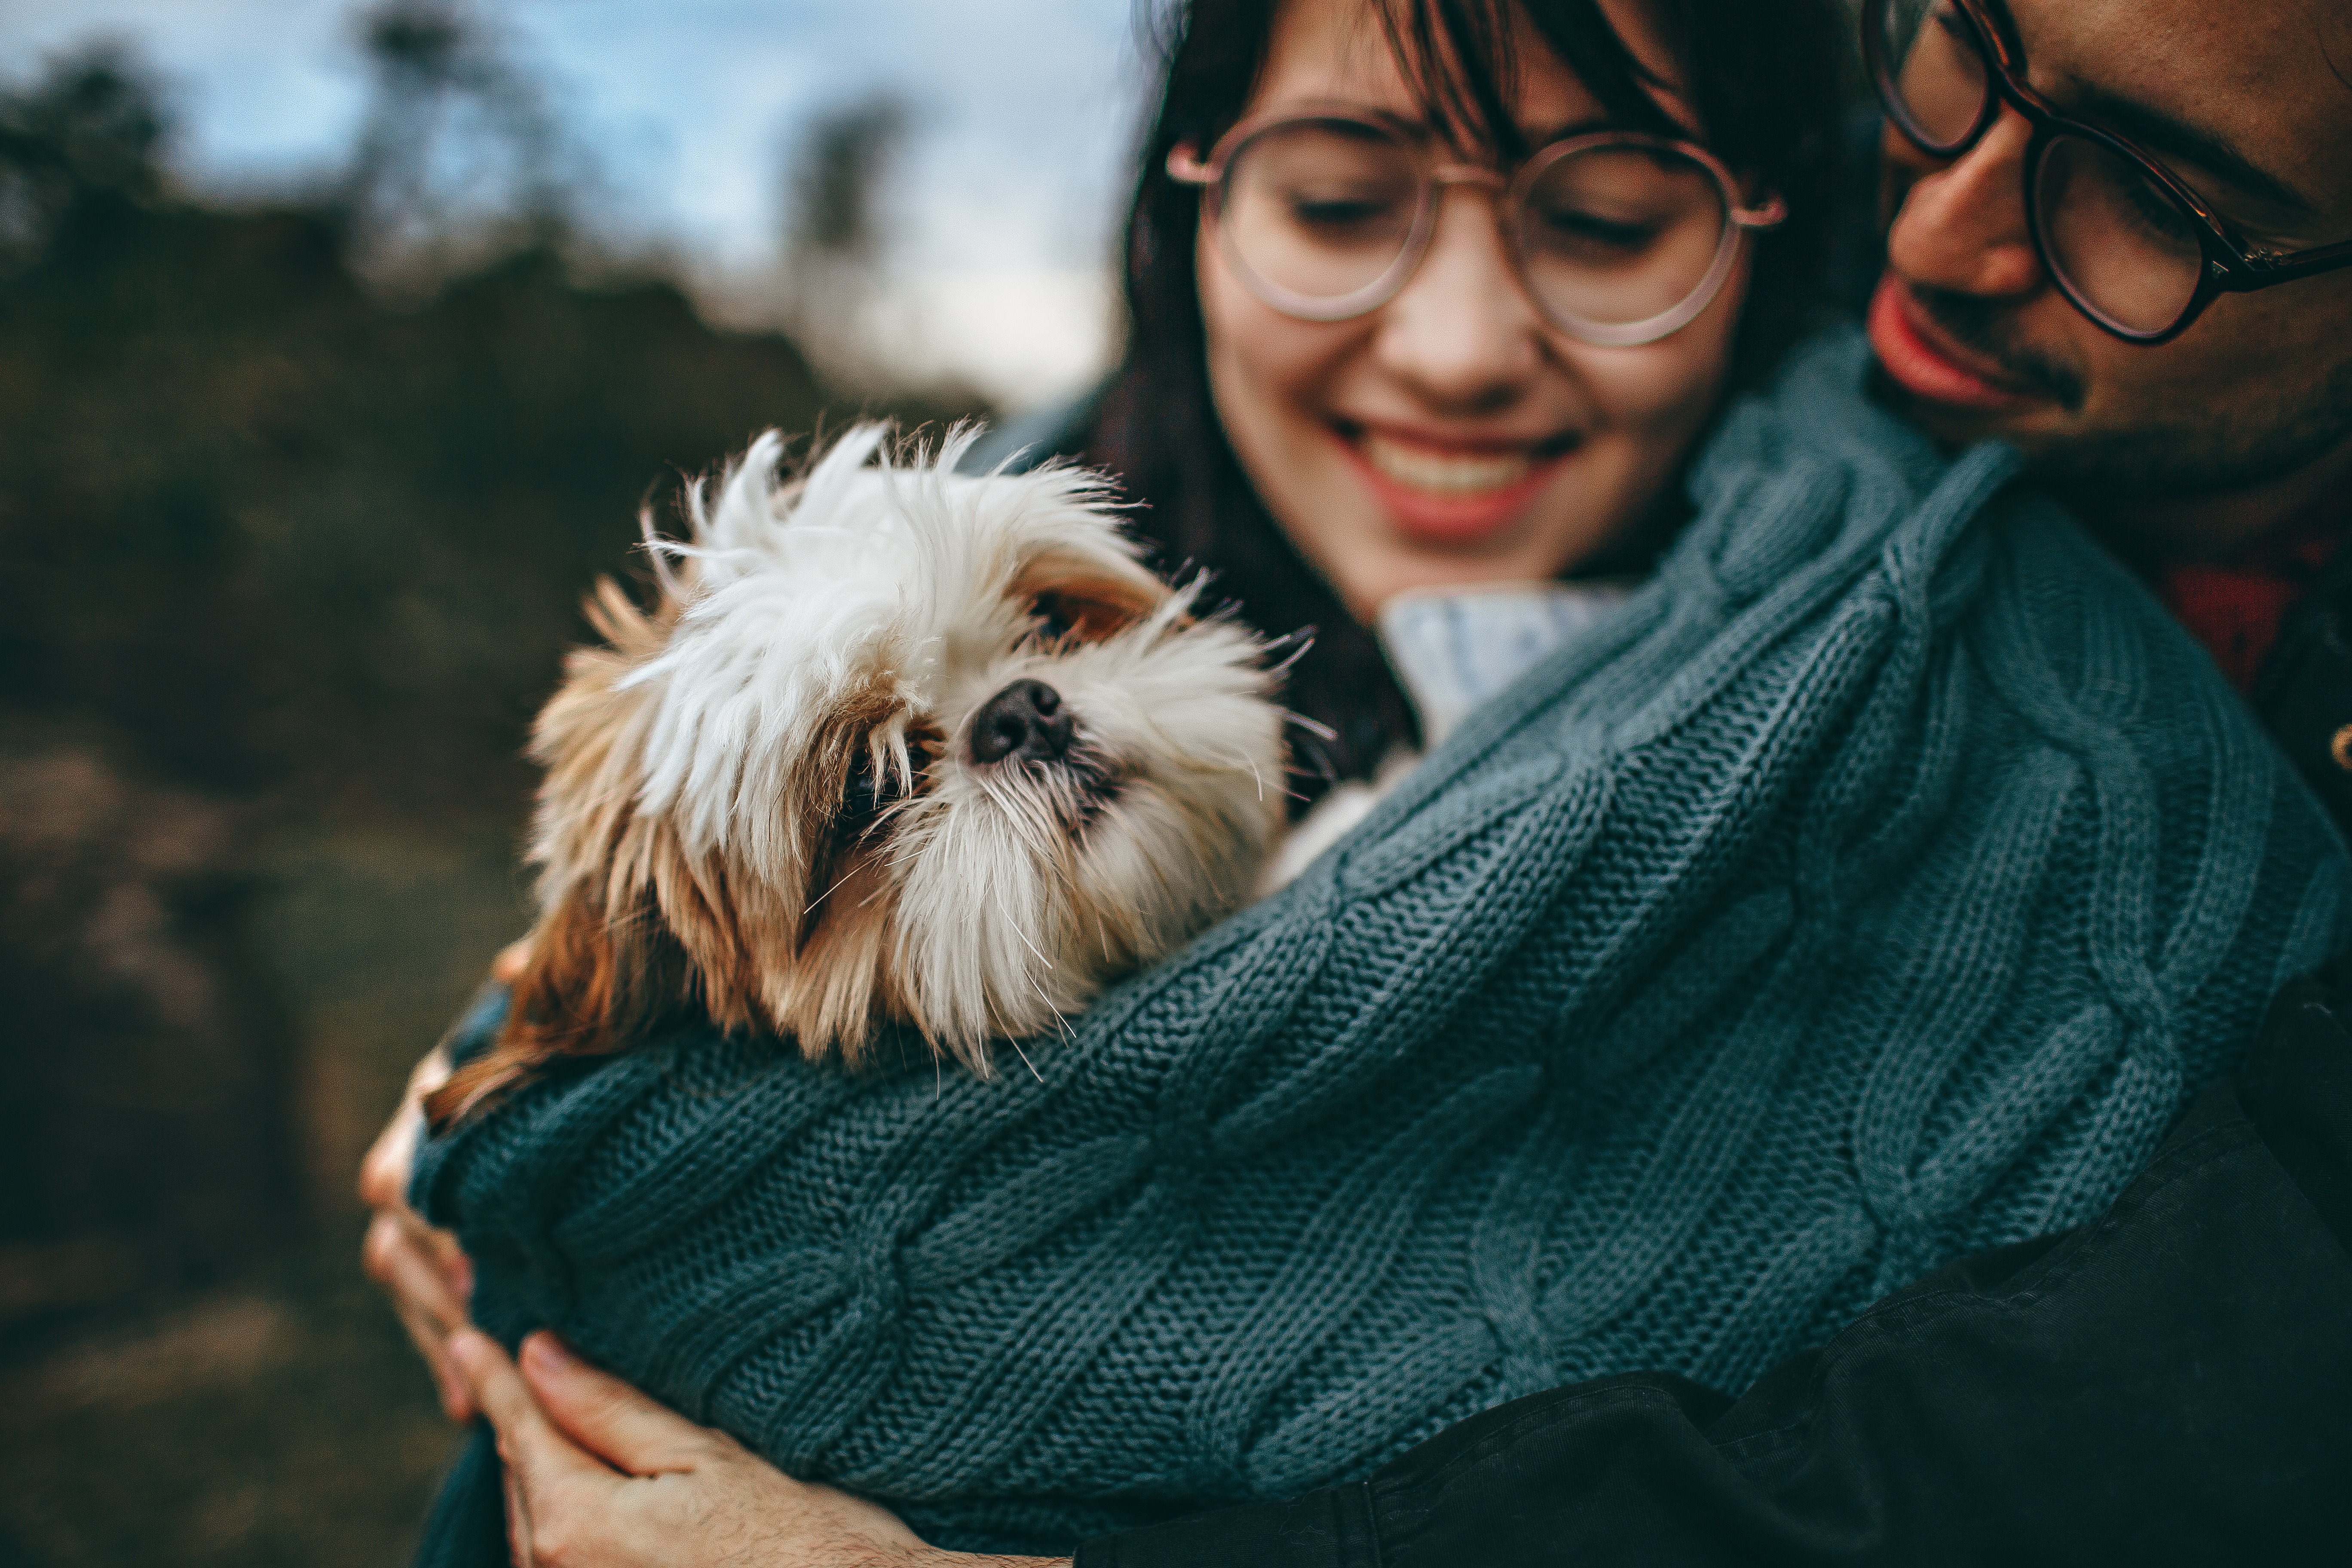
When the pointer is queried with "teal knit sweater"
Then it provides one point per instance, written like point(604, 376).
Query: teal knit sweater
point(1874, 887)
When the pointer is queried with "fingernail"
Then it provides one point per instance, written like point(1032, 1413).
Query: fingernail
point(551, 1353)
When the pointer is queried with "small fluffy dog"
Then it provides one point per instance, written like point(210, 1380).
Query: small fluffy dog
point(895, 744)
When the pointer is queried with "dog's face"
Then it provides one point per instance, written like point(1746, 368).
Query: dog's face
point(896, 745)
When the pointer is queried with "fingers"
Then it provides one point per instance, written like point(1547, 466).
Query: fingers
point(518, 1552)
point(428, 1291)
point(538, 1456)
point(384, 1173)
point(420, 1267)
point(427, 1274)
point(607, 1418)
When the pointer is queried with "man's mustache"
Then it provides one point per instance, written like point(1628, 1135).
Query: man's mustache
point(1978, 324)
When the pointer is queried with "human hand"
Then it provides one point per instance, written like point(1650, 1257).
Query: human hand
point(424, 1270)
point(599, 1476)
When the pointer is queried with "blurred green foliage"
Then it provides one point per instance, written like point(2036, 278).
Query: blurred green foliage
point(275, 529)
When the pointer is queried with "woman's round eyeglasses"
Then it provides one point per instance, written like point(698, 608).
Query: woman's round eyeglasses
point(2132, 246)
point(1620, 238)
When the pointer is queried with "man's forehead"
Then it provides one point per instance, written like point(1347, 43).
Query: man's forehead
point(2270, 81)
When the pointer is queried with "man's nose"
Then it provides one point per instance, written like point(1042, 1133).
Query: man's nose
point(1461, 333)
point(1962, 226)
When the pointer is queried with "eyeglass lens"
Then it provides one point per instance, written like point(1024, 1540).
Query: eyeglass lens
point(1322, 210)
point(1326, 215)
point(1620, 234)
point(2118, 244)
point(2122, 247)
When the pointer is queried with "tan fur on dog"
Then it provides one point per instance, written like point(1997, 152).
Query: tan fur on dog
point(762, 803)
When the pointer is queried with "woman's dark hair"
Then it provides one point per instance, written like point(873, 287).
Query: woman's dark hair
point(1766, 78)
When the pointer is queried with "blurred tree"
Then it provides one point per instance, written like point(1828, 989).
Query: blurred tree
point(92, 127)
point(458, 144)
point(273, 528)
point(837, 232)
point(846, 161)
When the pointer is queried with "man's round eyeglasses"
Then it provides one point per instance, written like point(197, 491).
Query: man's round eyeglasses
point(2131, 246)
point(1619, 237)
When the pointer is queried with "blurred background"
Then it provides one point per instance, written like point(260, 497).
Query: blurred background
point(339, 345)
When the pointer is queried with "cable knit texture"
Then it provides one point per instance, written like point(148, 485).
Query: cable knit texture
point(1872, 887)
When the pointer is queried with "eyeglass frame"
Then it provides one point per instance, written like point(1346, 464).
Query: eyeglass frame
point(2230, 265)
point(1185, 168)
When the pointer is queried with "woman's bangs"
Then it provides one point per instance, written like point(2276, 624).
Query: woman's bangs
point(1462, 59)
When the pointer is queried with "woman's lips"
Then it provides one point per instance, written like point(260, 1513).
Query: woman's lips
point(1927, 363)
point(1445, 473)
point(1450, 495)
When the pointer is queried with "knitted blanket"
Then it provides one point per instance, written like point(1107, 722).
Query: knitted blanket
point(1873, 887)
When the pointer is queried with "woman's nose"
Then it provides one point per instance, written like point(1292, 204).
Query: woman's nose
point(1461, 333)
point(1962, 226)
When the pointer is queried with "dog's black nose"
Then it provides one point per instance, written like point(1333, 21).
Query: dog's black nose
point(1026, 719)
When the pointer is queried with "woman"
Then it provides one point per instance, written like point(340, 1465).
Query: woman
point(1326, 455)
point(1457, 422)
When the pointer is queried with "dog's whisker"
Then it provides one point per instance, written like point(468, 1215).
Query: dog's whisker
point(1321, 731)
point(1259, 779)
point(1067, 1032)
point(829, 893)
point(1015, 927)
point(1024, 1054)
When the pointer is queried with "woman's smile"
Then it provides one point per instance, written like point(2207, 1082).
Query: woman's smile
point(1460, 491)
point(1454, 434)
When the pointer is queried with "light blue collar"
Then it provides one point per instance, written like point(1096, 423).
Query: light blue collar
point(1452, 648)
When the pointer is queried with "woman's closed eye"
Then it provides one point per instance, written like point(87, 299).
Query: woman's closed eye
point(1346, 212)
point(1568, 230)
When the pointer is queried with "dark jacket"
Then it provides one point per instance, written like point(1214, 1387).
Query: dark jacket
point(2172, 1384)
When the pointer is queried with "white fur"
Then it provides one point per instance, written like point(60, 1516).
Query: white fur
point(884, 597)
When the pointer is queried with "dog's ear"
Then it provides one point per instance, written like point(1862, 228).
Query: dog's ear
point(1089, 595)
point(592, 984)
point(602, 966)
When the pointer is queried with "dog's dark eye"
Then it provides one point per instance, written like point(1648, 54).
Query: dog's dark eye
point(1055, 619)
point(870, 791)
point(867, 790)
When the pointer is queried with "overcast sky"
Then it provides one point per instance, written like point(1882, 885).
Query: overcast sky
point(1025, 114)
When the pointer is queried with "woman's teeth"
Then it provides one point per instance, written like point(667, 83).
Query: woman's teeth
point(1464, 474)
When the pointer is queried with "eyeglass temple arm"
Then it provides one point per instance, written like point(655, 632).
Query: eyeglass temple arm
point(1771, 214)
point(2260, 269)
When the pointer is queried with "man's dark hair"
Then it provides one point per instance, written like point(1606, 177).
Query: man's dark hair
point(1767, 77)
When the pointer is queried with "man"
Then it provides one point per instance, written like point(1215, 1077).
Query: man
point(2114, 235)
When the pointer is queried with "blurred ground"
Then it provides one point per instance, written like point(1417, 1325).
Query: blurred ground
point(278, 1416)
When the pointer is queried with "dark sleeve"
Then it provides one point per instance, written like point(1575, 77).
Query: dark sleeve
point(2172, 1384)
point(476, 1028)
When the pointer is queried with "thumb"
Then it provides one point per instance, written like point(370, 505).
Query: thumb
point(609, 1418)
point(536, 1453)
